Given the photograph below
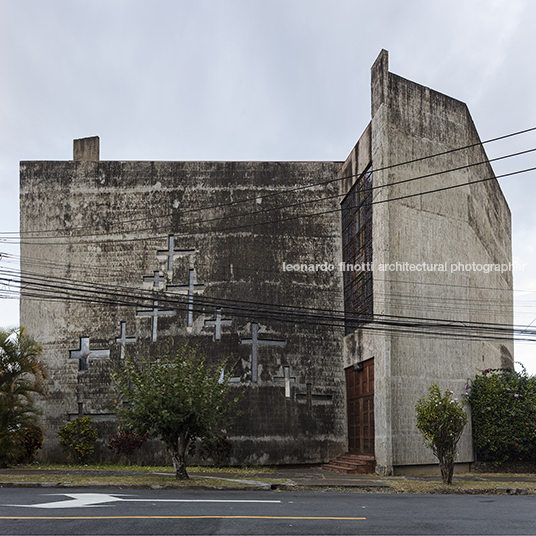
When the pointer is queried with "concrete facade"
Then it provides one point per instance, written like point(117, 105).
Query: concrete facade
point(463, 224)
point(96, 237)
point(125, 217)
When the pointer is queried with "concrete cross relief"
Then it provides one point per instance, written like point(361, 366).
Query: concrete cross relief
point(123, 339)
point(85, 353)
point(218, 323)
point(309, 398)
point(156, 278)
point(286, 379)
point(154, 313)
point(255, 344)
point(171, 252)
point(190, 288)
point(95, 416)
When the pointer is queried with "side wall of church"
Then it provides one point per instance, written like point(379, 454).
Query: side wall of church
point(95, 261)
point(446, 229)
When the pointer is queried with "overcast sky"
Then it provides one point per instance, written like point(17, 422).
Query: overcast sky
point(258, 80)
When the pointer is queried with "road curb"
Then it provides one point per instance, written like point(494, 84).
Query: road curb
point(60, 485)
point(294, 486)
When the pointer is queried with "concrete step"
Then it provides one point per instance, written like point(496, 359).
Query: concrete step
point(352, 464)
point(357, 458)
point(344, 465)
point(341, 470)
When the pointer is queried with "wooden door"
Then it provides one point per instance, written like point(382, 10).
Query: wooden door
point(360, 397)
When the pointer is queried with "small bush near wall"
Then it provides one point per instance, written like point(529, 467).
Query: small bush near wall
point(78, 438)
point(503, 409)
point(441, 420)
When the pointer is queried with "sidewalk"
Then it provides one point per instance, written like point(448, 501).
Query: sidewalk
point(291, 478)
point(316, 477)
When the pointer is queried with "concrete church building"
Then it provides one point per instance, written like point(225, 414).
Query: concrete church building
point(341, 290)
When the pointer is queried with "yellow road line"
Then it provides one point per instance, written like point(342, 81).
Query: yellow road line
point(186, 517)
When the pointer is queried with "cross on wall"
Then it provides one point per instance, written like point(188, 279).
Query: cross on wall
point(156, 278)
point(308, 397)
point(171, 252)
point(84, 353)
point(219, 322)
point(96, 416)
point(286, 379)
point(191, 287)
point(123, 339)
point(154, 313)
point(255, 344)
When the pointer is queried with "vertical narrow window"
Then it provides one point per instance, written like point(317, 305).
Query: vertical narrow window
point(357, 252)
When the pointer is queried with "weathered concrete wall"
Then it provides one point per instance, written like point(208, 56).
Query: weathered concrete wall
point(467, 224)
point(103, 228)
point(109, 220)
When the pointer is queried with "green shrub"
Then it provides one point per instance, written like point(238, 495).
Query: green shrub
point(503, 410)
point(11, 448)
point(21, 379)
point(441, 420)
point(78, 438)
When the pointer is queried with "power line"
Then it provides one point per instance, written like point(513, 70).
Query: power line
point(397, 298)
point(413, 328)
point(104, 294)
point(120, 271)
point(221, 205)
point(286, 219)
point(283, 207)
point(407, 328)
point(251, 310)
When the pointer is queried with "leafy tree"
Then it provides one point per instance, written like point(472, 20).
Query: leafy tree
point(441, 420)
point(503, 411)
point(21, 377)
point(177, 398)
point(78, 438)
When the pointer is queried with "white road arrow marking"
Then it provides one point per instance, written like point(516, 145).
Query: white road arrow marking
point(79, 500)
point(84, 500)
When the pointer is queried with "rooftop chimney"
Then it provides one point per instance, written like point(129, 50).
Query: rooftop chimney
point(86, 149)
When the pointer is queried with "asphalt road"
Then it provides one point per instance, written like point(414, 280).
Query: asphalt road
point(99, 511)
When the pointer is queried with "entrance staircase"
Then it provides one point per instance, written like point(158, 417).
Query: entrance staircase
point(352, 464)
